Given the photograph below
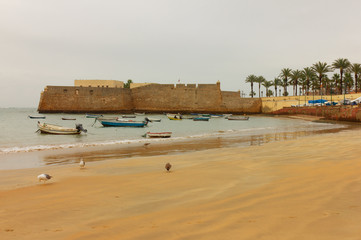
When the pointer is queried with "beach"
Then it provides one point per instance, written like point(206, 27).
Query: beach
point(302, 188)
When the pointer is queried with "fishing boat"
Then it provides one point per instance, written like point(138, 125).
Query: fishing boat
point(36, 117)
point(139, 114)
point(55, 129)
point(158, 134)
point(107, 118)
point(92, 115)
point(128, 116)
point(201, 118)
point(238, 118)
point(64, 118)
point(153, 119)
point(123, 123)
point(174, 116)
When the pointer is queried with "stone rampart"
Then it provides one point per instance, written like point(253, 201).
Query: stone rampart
point(157, 98)
point(84, 99)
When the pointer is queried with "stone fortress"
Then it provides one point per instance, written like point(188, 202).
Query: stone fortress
point(110, 96)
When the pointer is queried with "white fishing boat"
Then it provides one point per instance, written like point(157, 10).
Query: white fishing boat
point(55, 129)
point(238, 118)
point(158, 134)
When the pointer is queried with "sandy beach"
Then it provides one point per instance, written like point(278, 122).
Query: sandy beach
point(306, 188)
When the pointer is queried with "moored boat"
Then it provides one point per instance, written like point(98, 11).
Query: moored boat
point(201, 118)
point(150, 119)
point(64, 118)
point(92, 115)
point(238, 118)
point(174, 116)
point(55, 129)
point(36, 117)
point(107, 118)
point(158, 134)
point(128, 116)
point(123, 123)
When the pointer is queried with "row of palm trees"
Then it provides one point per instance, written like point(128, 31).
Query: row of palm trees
point(313, 78)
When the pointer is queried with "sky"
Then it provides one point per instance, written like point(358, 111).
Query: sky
point(52, 42)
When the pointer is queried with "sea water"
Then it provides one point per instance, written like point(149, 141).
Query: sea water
point(19, 133)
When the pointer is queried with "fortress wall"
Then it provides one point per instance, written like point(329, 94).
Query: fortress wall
point(232, 102)
point(84, 99)
point(207, 98)
point(177, 98)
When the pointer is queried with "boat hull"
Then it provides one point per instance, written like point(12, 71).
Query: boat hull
point(123, 124)
point(159, 134)
point(54, 129)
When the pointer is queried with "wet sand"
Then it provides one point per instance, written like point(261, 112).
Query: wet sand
point(302, 188)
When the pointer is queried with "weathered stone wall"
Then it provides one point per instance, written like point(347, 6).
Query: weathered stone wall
point(84, 99)
point(207, 98)
point(337, 113)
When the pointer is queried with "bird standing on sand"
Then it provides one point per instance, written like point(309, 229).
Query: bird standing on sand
point(81, 163)
point(168, 166)
point(146, 144)
point(44, 177)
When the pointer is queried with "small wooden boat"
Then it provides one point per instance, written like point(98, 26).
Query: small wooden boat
point(107, 118)
point(153, 119)
point(139, 114)
point(238, 118)
point(124, 123)
point(63, 118)
point(92, 116)
point(201, 118)
point(36, 117)
point(55, 129)
point(128, 116)
point(174, 116)
point(158, 134)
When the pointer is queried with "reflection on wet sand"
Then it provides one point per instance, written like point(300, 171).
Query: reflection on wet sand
point(92, 154)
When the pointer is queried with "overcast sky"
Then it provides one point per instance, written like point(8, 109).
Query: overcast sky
point(53, 42)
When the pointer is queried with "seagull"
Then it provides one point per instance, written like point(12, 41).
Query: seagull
point(44, 177)
point(81, 163)
point(146, 144)
point(168, 166)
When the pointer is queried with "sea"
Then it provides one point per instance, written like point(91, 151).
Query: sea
point(23, 146)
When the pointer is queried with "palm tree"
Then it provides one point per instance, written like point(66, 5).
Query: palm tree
point(295, 77)
point(335, 80)
point(260, 80)
point(252, 93)
point(285, 74)
point(321, 69)
point(267, 85)
point(276, 82)
point(342, 64)
point(356, 69)
point(348, 81)
point(309, 74)
point(127, 84)
point(251, 79)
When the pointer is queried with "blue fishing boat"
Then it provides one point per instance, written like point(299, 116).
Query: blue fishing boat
point(201, 119)
point(124, 123)
point(92, 116)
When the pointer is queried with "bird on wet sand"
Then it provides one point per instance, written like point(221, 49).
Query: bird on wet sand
point(146, 144)
point(44, 177)
point(81, 163)
point(168, 166)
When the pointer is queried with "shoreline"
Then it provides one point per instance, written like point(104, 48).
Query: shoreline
point(72, 155)
point(278, 190)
